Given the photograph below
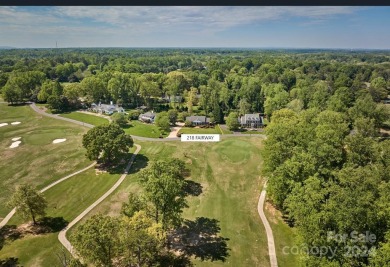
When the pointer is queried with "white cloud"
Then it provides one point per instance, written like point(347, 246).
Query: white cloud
point(217, 18)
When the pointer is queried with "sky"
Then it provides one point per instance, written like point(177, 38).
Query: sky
point(199, 26)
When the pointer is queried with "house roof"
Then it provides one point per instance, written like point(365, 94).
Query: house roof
point(250, 117)
point(149, 115)
point(197, 119)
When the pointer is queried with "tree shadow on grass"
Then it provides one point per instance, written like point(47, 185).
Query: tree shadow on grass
point(192, 188)
point(200, 239)
point(52, 224)
point(139, 163)
point(10, 233)
point(9, 262)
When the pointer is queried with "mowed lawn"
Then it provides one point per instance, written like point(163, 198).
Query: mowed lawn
point(37, 160)
point(229, 174)
point(190, 130)
point(87, 118)
point(67, 200)
point(143, 129)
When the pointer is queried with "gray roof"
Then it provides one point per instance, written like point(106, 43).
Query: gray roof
point(251, 117)
point(197, 119)
point(149, 115)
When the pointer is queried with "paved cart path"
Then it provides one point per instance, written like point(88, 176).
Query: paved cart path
point(9, 215)
point(268, 230)
point(62, 235)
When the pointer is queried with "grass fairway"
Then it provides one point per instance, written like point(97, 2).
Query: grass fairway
point(67, 199)
point(36, 161)
point(190, 130)
point(229, 174)
point(142, 129)
point(91, 119)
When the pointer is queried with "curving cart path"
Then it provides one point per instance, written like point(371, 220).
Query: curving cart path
point(9, 215)
point(268, 230)
point(62, 235)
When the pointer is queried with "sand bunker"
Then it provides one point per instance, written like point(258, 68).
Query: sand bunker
point(16, 138)
point(59, 140)
point(15, 144)
point(15, 122)
point(3, 124)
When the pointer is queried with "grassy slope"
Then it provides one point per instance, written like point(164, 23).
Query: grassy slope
point(36, 160)
point(91, 119)
point(230, 195)
point(143, 129)
point(67, 200)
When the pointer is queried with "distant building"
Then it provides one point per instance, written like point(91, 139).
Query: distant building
point(173, 99)
point(251, 121)
point(147, 117)
point(198, 120)
point(106, 109)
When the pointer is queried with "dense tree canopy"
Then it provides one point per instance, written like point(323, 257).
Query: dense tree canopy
point(107, 143)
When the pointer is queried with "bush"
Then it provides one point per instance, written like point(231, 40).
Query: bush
point(133, 115)
point(119, 118)
point(182, 116)
point(188, 124)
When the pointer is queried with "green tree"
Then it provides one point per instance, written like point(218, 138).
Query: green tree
point(97, 240)
point(232, 121)
point(172, 116)
point(162, 121)
point(163, 183)
point(57, 103)
point(378, 89)
point(107, 143)
point(28, 202)
point(141, 240)
point(119, 118)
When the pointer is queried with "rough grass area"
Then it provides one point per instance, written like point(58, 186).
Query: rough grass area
point(190, 130)
point(91, 119)
point(37, 160)
point(229, 174)
point(143, 129)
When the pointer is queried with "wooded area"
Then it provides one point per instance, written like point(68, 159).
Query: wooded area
point(327, 153)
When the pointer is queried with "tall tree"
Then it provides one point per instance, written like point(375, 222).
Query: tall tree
point(97, 240)
point(164, 184)
point(28, 202)
point(107, 143)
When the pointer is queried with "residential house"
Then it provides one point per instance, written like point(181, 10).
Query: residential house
point(198, 120)
point(251, 121)
point(106, 109)
point(147, 117)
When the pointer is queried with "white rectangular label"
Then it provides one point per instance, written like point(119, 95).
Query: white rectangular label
point(200, 138)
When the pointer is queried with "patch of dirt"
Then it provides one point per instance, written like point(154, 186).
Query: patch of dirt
point(100, 171)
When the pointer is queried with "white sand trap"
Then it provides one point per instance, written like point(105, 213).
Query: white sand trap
point(3, 124)
point(16, 138)
point(56, 141)
point(15, 144)
point(15, 122)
